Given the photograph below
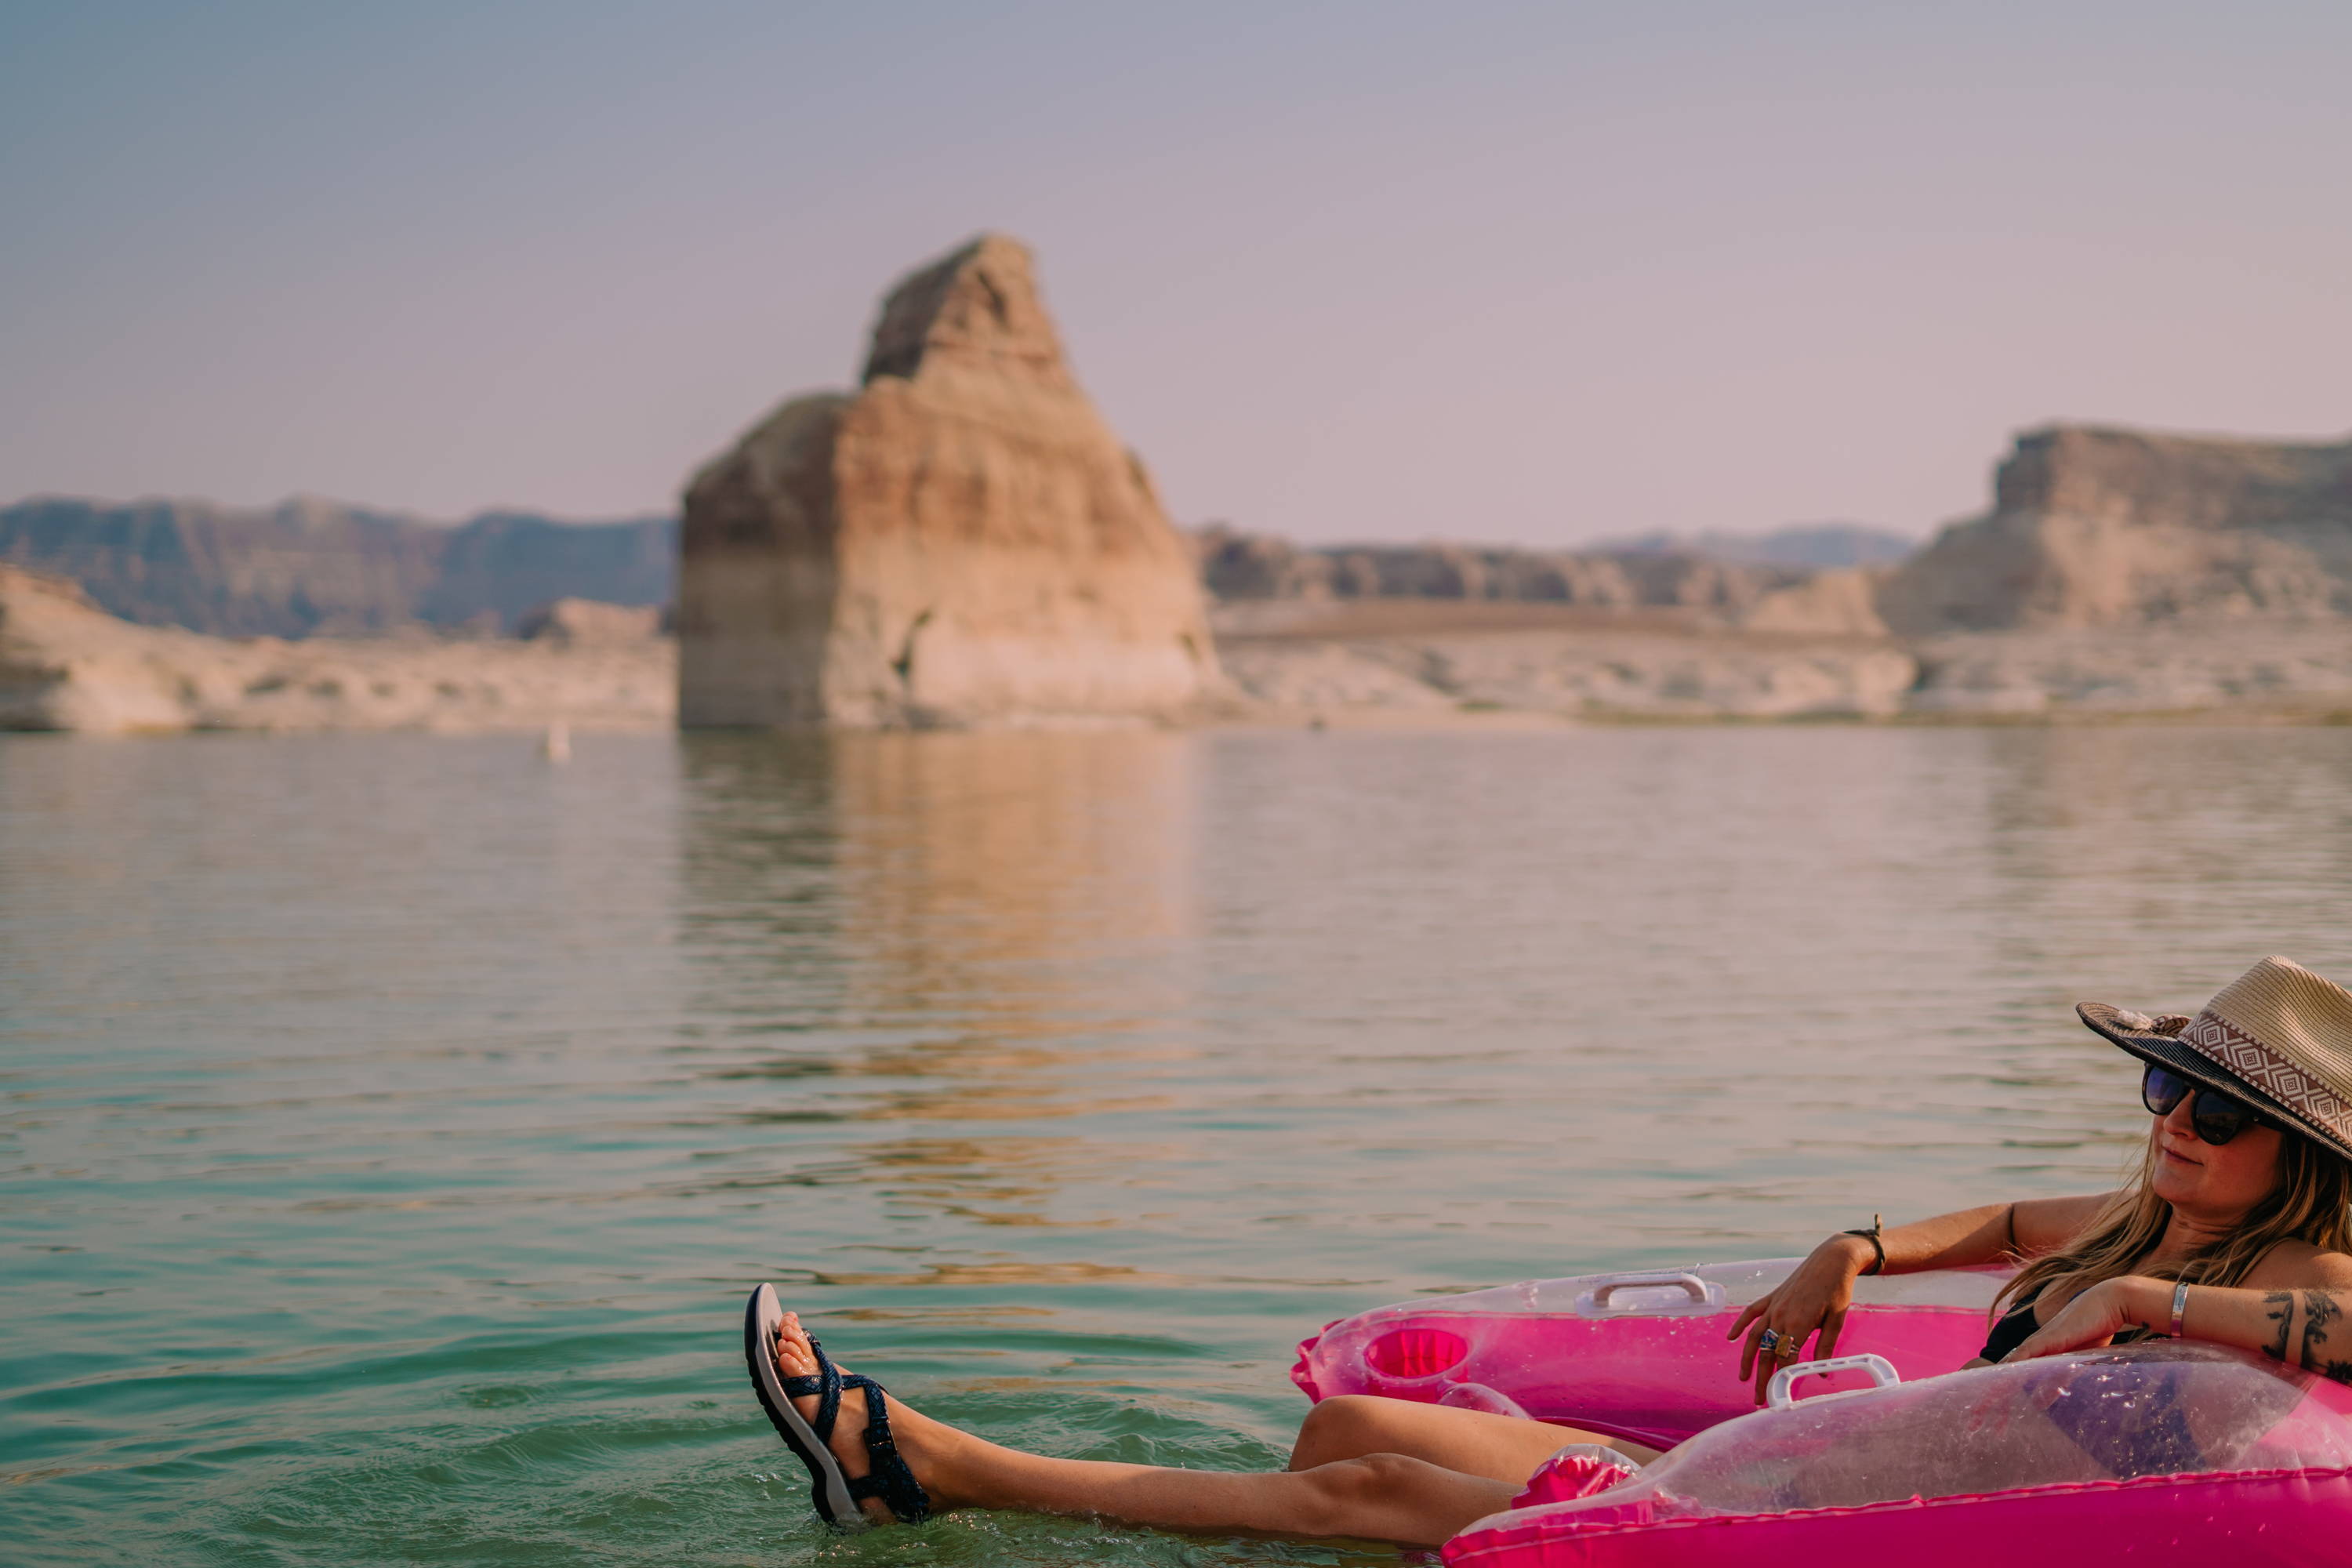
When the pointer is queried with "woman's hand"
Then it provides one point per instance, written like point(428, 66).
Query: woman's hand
point(2092, 1318)
point(1814, 1298)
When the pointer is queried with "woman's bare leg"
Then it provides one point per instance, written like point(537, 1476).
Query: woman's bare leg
point(1475, 1442)
point(1375, 1497)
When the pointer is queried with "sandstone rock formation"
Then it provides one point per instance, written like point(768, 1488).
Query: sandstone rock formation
point(962, 541)
point(2098, 527)
point(1629, 672)
point(65, 664)
point(584, 623)
point(1836, 604)
point(319, 568)
point(1237, 566)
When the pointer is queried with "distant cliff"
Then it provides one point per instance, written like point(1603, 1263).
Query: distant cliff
point(1824, 545)
point(312, 567)
point(1241, 566)
point(2100, 527)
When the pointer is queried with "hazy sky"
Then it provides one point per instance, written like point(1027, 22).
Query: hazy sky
point(1522, 273)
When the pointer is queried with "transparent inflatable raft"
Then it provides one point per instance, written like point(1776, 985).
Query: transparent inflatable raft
point(2135, 1454)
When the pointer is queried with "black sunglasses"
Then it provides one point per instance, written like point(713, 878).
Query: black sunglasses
point(2216, 1116)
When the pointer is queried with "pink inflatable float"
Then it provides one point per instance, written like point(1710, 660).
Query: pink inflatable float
point(2145, 1453)
point(1640, 1355)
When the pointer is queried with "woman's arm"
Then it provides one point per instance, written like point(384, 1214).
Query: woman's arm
point(2301, 1322)
point(1818, 1291)
point(2026, 1229)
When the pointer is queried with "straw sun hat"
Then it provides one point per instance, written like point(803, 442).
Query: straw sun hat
point(2278, 1037)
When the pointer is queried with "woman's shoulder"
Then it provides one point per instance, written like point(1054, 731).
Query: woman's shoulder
point(2038, 1226)
point(2296, 1265)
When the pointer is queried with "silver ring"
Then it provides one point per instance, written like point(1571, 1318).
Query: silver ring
point(1770, 1337)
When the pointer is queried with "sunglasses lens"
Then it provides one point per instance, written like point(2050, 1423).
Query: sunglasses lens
point(2217, 1117)
point(2160, 1090)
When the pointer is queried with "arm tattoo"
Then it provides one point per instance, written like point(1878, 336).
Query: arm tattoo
point(2319, 1309)
point(2282, 1312)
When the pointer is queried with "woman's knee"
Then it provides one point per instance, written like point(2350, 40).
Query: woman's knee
point(1343, 1492)
point(1341, 1427)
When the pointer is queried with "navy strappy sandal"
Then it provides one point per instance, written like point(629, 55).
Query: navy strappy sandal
point(834, 1494)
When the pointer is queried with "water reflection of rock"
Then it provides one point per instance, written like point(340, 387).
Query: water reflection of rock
point(955, 933)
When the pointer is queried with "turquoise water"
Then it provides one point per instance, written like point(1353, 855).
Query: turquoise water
point(390, 1126)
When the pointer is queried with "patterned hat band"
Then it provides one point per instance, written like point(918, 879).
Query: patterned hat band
point(2239, 1053)
point(2279, 1032)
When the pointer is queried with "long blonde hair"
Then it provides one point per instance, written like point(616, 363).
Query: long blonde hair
point(2311, 1202)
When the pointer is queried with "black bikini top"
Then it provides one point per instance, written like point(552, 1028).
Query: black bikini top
point(2017, 1326)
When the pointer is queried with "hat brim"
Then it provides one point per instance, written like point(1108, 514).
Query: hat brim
point(2174, 1056)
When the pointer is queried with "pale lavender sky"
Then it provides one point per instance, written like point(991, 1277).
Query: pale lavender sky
point(1528, 273)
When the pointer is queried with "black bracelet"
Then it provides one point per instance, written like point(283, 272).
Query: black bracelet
point(1871, 1236)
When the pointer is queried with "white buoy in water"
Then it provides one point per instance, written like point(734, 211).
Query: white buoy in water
point(556, 746)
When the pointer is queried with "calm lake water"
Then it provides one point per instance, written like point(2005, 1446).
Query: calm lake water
point(390, 1126)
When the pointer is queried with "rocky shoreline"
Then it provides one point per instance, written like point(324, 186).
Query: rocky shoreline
point(65, 665)
point(1664, 672)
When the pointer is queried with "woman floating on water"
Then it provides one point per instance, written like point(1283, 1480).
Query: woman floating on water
point(2238, 1231)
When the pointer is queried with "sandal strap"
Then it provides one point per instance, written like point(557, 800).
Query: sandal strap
point(888, 1477)
point(826, 1385)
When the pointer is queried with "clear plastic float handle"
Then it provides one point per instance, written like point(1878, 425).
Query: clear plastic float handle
point(1655, 1279)
point(1478, 1396)
point(1881, 1375)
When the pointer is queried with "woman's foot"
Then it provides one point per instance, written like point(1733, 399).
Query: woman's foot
point(1387, 1496)
point(926, 1445)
